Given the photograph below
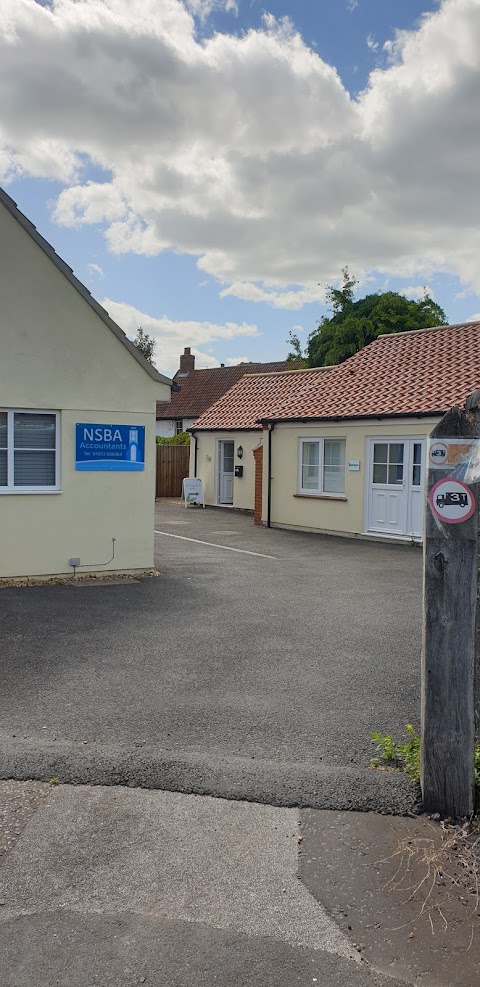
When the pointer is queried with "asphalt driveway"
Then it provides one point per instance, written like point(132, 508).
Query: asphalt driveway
point(254, 667)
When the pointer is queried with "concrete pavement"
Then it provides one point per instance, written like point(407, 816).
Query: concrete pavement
point(118, 887)
point(397, 892)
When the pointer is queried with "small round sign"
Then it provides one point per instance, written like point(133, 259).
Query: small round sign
point(438, 453)
point(451, 501)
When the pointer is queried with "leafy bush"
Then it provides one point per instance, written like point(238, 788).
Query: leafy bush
point(404, 756)
point(183, 439)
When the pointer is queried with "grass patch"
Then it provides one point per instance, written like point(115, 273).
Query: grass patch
point(402, 756)
point(405, 757)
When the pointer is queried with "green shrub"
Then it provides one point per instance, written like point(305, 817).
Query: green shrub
point(405, 756)
point(183, 439)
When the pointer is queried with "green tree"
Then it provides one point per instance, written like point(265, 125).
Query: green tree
point(354, 324)
point(145, 343)
point(341, 298)
point(295, 352)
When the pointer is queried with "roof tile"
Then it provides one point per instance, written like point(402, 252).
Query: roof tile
point(199, 389)
point(414, 373)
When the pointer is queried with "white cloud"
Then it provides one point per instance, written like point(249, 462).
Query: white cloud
point(171, 336)
point(233, 361)
point(371, 43)
point(417, 291)
point(352, 5)
point(475, 317)
point(96, 271)
point(247, 151)
point(293, 299)
point(203, 8)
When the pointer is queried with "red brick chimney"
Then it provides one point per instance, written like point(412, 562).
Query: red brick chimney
point(187, 361)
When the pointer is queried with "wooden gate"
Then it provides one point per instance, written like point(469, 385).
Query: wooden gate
point(172, 467)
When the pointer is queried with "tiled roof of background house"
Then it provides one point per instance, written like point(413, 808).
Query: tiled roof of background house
point(414, 373)
point(419, 372)
point(255, 397)
point(199, 389)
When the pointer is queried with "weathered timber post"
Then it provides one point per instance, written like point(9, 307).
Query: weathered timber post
point(450, 613)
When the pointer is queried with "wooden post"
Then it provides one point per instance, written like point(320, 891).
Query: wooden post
point(450, 617)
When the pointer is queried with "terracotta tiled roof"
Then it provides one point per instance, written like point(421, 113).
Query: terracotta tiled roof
point(256, 397)
point(410, 373)
point(414, 373)
point(199, 389)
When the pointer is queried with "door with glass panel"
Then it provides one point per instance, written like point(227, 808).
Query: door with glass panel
point(395, 496)
point(416, 471)
point(226, 456)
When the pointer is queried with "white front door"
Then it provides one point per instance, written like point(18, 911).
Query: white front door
point(226, 455)
point(395, 492)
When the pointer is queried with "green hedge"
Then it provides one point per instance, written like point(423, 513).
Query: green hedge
point(183, 439)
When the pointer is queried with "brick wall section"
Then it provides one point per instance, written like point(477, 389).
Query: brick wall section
point(257, 511)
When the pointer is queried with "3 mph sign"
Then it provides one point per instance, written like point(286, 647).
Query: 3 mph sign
point(451, 501)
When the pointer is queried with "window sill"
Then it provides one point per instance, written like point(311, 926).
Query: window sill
point(314, 496)
point(31, 493)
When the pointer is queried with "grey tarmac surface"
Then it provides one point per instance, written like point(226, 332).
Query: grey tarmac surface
point(230, 674)
point(111, 887)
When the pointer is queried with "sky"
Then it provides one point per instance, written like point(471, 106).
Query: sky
point(208, 167)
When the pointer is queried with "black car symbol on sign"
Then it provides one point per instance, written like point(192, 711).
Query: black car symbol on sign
point(452, 499)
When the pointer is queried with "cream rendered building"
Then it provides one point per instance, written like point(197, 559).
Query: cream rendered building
point(226, 436)
point(64, 363)
point(344, 449)
point(347, 454)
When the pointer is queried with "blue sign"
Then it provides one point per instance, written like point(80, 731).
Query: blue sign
point(109, 447)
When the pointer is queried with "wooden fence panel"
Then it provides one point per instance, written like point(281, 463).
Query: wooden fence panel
point(172, 467)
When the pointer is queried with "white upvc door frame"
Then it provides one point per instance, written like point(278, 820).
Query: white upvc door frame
point(220, 471)
point(407, 486)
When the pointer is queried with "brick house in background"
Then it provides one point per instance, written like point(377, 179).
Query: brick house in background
point(194, 391)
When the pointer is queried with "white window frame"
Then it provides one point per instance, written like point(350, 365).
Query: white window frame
point(319, 491)
point(175, 423)
point(10, 412)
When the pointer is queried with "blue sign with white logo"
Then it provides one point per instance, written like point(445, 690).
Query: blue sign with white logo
point(110, 447)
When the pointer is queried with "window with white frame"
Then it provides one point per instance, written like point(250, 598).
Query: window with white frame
point(322, 466)
point(28, 451)
point(178, 426)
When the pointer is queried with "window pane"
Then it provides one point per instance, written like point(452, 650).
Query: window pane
point(310, 454)
point(417, 476)
point(34, 469)
point(334, 466)
point(228, 457)
point(334, 452)
point(417, 453)
point(334, 479)
point(3, 429)
point(380, 473)
point(310, 465)
point(396, 452)
point(395, 473)
point(3, 467)
point(380, 452)
point(34, 431)
point(309, 477)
